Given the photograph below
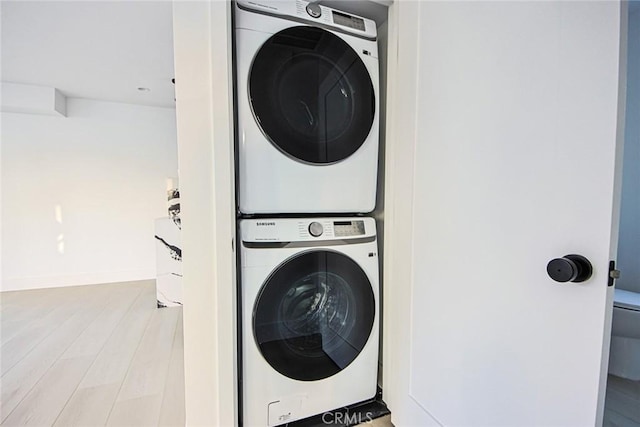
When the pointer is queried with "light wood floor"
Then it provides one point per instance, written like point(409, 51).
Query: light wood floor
point(90, 356)
point(622, 404)
point(104, 355)
point(379, 422)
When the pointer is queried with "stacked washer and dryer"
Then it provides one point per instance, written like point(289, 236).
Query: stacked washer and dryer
point(307, 150)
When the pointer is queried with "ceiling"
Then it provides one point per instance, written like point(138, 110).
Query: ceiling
point(102, 50)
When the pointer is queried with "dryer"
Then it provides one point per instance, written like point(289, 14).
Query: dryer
point(310, 315)
point(308, 108)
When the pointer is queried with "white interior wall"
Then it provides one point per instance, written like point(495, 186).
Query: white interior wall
point(79, 194)
point(629, 240)
point(202, 49)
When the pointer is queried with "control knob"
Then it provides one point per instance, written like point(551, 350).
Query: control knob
point(315, 229)
point(313, 9)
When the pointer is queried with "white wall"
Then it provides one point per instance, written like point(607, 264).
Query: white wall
point(629, 240)
point(202, 49)
point(79, 194)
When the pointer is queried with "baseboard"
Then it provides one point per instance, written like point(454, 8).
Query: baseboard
point(42, 282)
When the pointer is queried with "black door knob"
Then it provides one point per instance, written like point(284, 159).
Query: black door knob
point(570, 268)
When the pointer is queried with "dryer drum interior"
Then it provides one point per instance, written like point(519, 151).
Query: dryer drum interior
point(311, 95)
point(314, 315)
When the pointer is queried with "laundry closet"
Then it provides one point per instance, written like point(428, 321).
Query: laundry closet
point(484, 108)
point(307, 146)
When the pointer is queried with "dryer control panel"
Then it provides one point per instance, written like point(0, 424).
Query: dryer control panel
point(313, 13)
point(307, 229)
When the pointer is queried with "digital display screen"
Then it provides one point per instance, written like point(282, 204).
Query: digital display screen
point(348, 228)
point(348, 20)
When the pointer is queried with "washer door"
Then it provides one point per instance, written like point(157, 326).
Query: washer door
point(311, 95)
point(314, 315)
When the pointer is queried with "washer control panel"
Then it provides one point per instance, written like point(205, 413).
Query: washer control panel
point(332, 228)
point(348, 228)
point(306, 229)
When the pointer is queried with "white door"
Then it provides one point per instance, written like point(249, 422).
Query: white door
point(503, 122)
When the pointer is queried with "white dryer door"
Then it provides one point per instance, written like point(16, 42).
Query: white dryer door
point(311, 95)
point(314, 315)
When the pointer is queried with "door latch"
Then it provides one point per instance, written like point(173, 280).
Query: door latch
point(613, 273)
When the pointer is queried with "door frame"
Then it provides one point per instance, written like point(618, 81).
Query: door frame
point(398, 202)
point(204, 112)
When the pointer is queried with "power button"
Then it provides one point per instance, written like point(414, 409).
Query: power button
point(313, 9)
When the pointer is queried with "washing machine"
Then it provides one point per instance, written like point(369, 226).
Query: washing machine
point(310, 313)
point(308, 108)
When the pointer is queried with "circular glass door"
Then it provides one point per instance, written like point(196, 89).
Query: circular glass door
point(314, 315)
point(311, 95)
